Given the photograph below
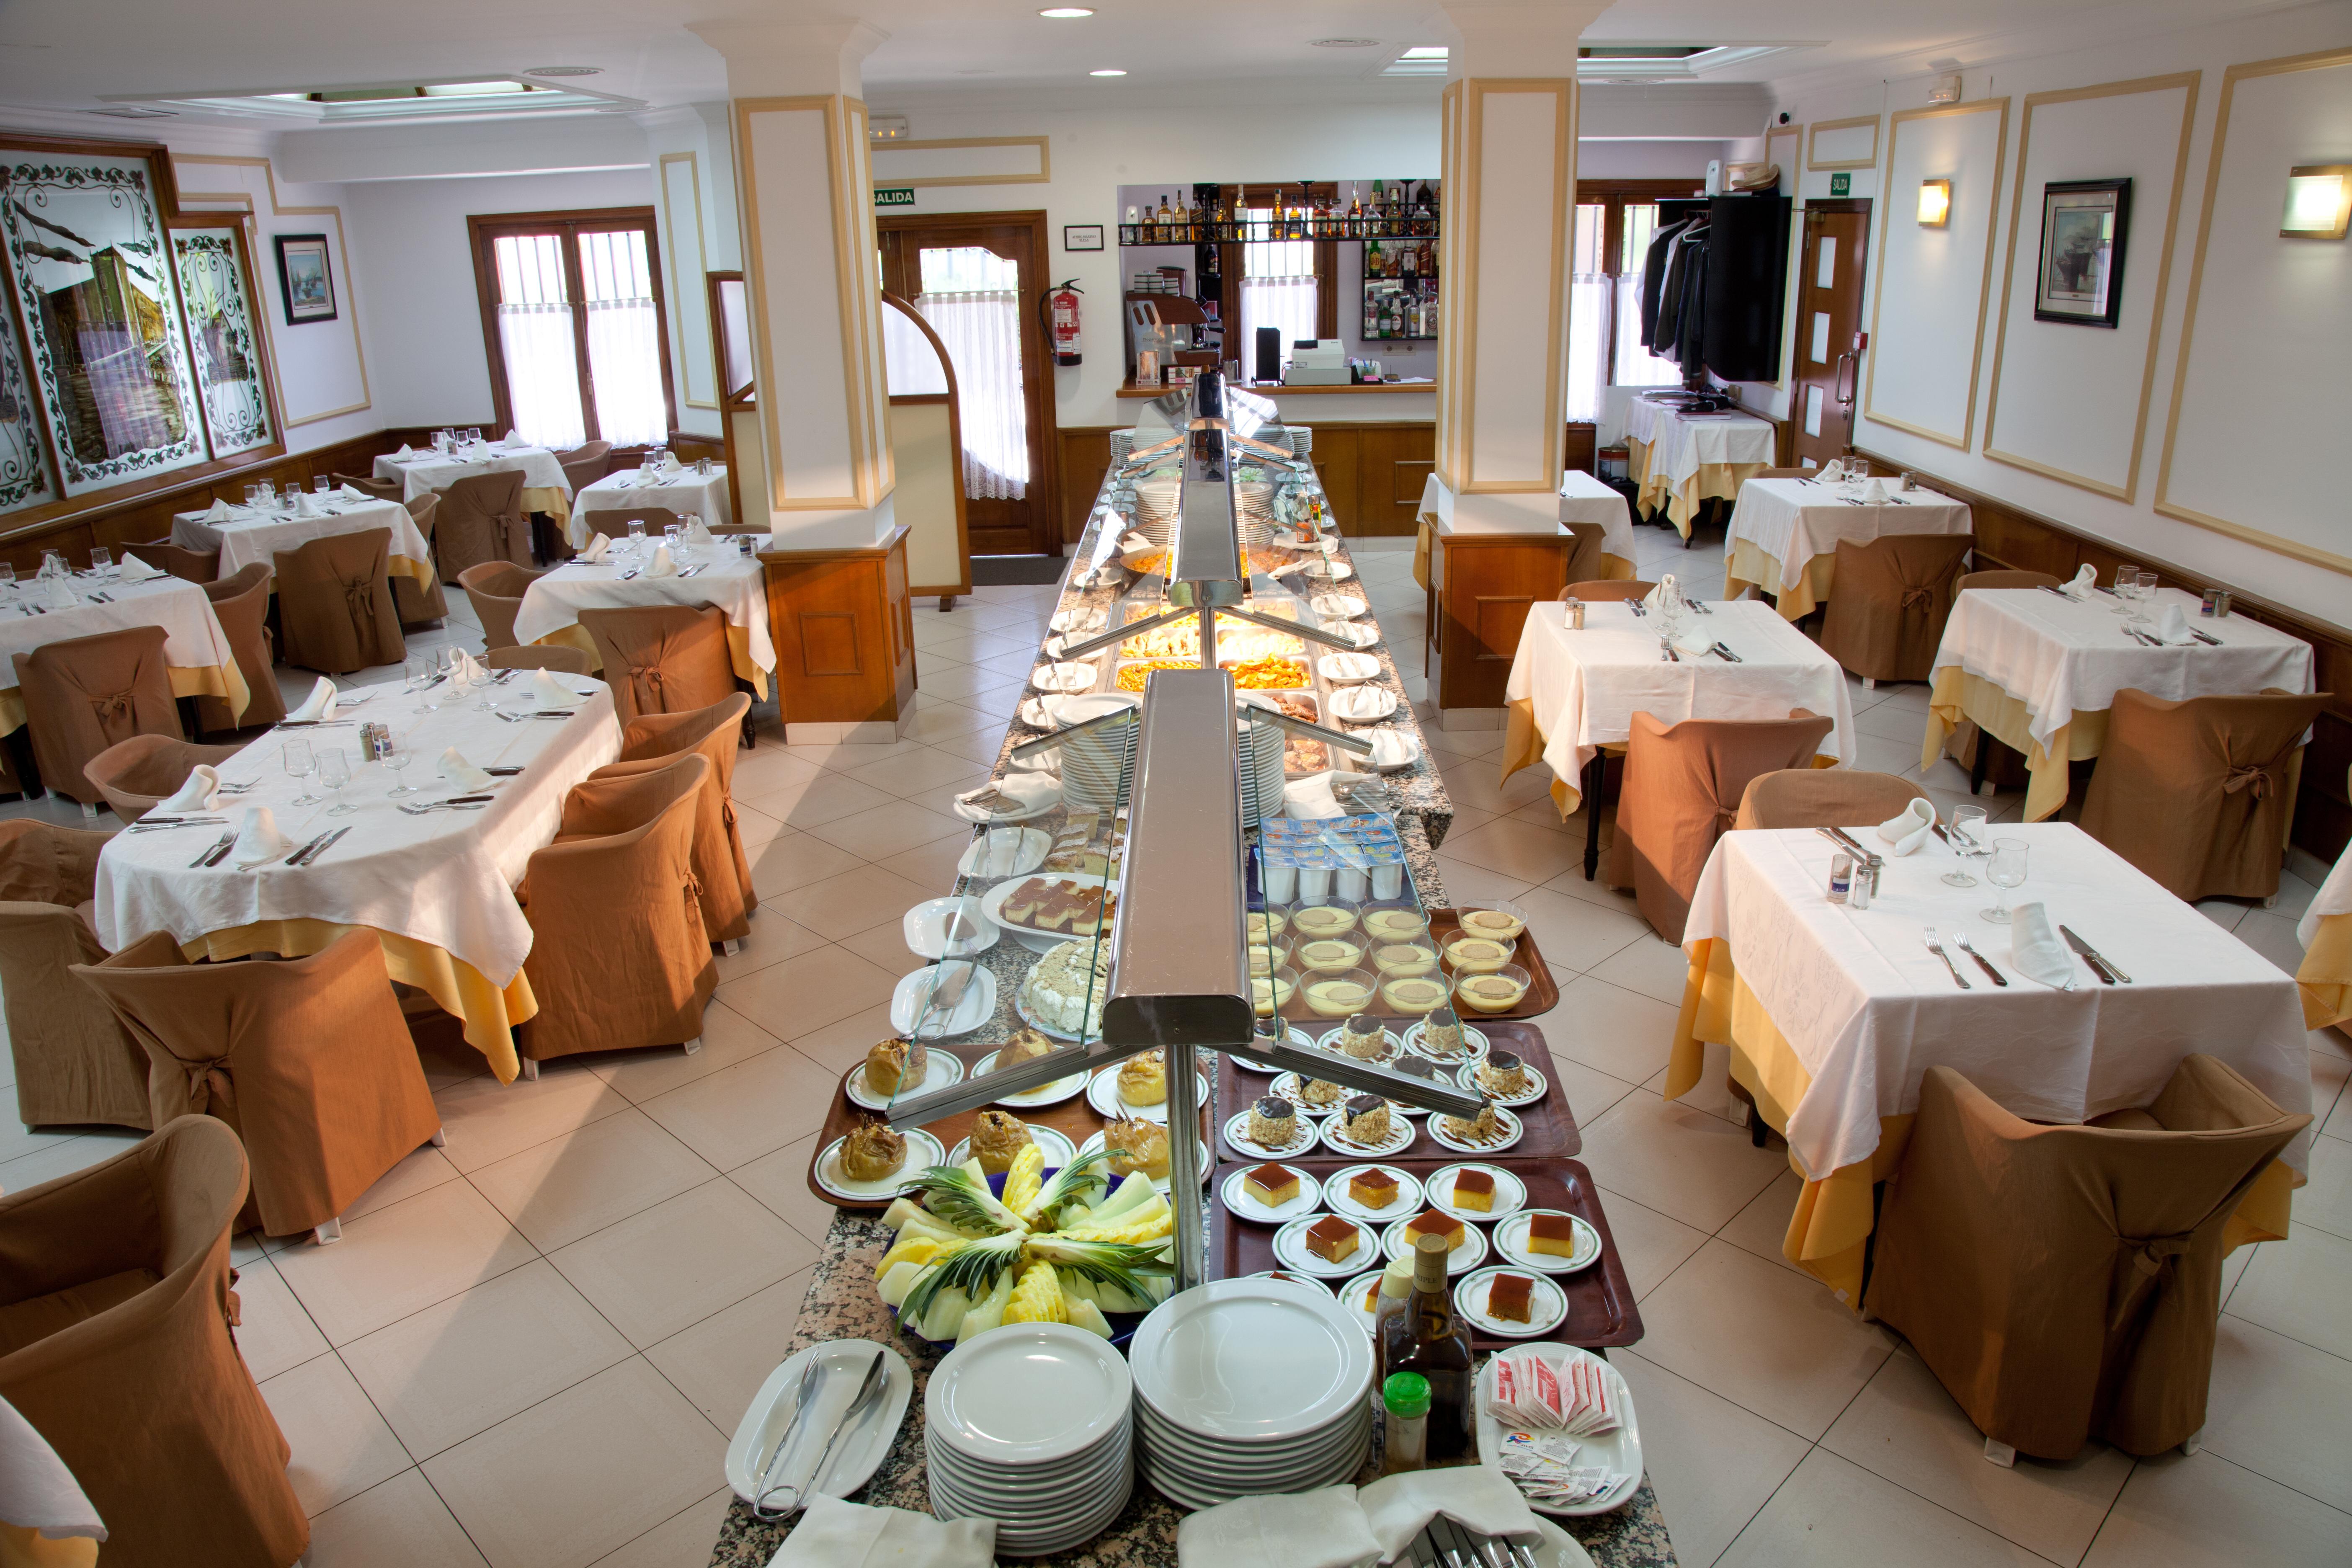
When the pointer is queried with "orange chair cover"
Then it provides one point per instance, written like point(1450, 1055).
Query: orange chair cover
point(614, 524)
point(1823, 798)
point(85, 694)
point(1894, 595)
point(496, 589)
point(334, 602)
point(720, 866)
point(74, 1064)
point(241, 604)
point(1596, 590)
point(482, 520)
point(198, 566)
point(143, 771)
point(2003, 580)
point(662, 658)
point(543, 656)
point(417, 603)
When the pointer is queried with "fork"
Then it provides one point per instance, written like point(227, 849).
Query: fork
point(1937, 948)
point(220, 847)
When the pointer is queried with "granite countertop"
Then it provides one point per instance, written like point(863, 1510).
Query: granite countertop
point(841, 1303)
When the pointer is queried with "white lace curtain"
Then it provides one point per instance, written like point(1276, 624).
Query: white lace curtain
point(542, 374)
point(972, 298)
point(624, 339)
point(541, 348)
point(1278, 290)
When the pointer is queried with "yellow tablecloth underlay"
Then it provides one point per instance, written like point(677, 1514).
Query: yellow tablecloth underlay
point(1523, 746)
point(490, 1011)
point(1830, 1231)
point(2326, 977)
point(739, 652)
point(1681, 502)
point(225, 681)
point(1613, 568)
point(549, 499)
point(1752, 565)
point(21, 1546)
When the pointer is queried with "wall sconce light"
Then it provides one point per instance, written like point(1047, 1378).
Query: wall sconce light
point(1934, 202)
point(2319, 202)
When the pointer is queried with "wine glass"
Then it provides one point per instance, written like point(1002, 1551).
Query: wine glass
point(473, 435)
point(252, 496)
point(395, 753)
point(102, 562)
point(1967, 828)
point(334, 773)
point(636, 533)
point(420, 672)
point(295, 756)
point(2005, 870)
point(8, 575)
point(2127, 577)
point(319, 484)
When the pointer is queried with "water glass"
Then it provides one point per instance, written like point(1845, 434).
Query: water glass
point(334, 773)
point(420, 672)
point(2127, 578)
point(672, 535)
point(396, 754)
point(8, 575)
point(253, 495)
point(2005, 870)
point(636, 532)
point(1967, 831)
point(295, 756)
point(473, 435)
point(53, 563)
point(319, 484)
point(102, 561)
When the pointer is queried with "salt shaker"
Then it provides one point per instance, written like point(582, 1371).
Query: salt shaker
point(1840, 877)
point(1575, 612)
point(1864, 884)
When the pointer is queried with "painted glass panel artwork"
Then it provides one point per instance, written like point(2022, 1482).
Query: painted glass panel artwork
point(223, 340)
point(93, 276)
point(24, 472)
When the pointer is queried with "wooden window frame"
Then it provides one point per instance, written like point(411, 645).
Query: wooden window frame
point(1615, 195)
point(483, 230)
point(1327, 263)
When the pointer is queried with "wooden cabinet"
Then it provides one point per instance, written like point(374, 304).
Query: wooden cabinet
point(844, 626)
point(1482, 586)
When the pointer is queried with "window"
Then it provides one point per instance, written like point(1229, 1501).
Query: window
point(572, 313)
point(972, 297)
point(1279, 289)
point(1614, 222)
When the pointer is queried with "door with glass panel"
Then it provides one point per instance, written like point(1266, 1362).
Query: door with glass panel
point(574, 326)
point(976, 281)
point(1827, 365)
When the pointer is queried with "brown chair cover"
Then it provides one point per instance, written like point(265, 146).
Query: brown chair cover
point(1893, 598)
point(720, 866)
point(85, 694)
point(145, 769)
point(616, 524)
point(117, 1343)
point(2063, 1282)
point(1824, 798)
point(74, 1064)
point(1596, 591)
point(334, 602)
point(420, 602)
point(542, 655)
point(383, 489)
point(2003, 580)
point(188, 565)
point(482, 518)
point(241, 604)
point(1796, 473)
point(662, 658)
point(1683, 784)
point(2194, 793)
point(1583, 551)
point(309, 1060)
point(584, 463)
point(619, 957)
point(496, 589)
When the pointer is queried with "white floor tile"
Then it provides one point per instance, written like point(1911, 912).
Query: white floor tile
point(682, 1541)
point(2281, 1409)
point(486, 1120)
point(1712, 1464)
point(1610, 1029)
point(273, 1331)
point(2207, 1512)
point(720, 1362)
point(1655, 967)
point(1697, 1168)
point(402, 1260)
point(557, 1191)
point(2301, 1287)
point(341, 1446)
point(1650, 1245)
point(1834, 1514)
point(398, 1524)
point(733, 1117)
point(667, 1270)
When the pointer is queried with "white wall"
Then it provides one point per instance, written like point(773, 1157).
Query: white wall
point(2069, 421)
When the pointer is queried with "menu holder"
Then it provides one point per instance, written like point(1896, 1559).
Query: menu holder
point(1548, 1125)
point(1600, 1309)
point(1542, 993)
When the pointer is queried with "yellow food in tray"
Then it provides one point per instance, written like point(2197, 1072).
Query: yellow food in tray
point(1153, 563)
point(1235, 639)
point(1266, 674)
point(1131, 677)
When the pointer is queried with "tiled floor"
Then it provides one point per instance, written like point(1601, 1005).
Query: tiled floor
point(530, 1347)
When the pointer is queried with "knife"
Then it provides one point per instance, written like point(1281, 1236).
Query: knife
point(1723, 652)
point(2200, 636)
point(311, 854)
point(296, 859)
point(2094, 957)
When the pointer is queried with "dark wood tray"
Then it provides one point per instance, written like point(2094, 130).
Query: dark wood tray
point(1543, 991)
point(1600, 1309)
point(1550, 1124)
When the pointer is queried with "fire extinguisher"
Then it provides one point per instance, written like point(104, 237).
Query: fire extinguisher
point(1059, 314)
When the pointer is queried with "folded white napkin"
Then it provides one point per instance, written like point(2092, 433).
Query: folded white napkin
point(461, 773)
point(1908, 828)
point(37, 1491)
point(308, 503)
point(405, 451)
point(219, 512)
point(549, 693)
point(2173, 626)
point(1694, 642)
point(1833, 470)
point(60, 595)
point(2086, 578)
point(1310, 799)
point(258, 839)
point(663, 564)
point(1661, 593)
point(837, 1535)
point(320, 704)
point(597, 549)
point(1874, 492)
point(134, 570)
point(1392, 750)
point(1323, 1528)
point(1032, 790)
point(353, 493)
point(514, 438)
point(698, 533)
point(201, 793)
point(1477, 1497)
point(2034, 948)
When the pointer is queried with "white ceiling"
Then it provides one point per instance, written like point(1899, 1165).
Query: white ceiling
point(73, 54)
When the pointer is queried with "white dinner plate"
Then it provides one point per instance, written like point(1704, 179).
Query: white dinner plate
point(1362, 704)
point(1511, 1241)
point(1083, 622)
point(1295, 1281)
point(1467, 1254)
point(992, 909)
point(1619, 1450)
point(1290, 1249)
point(1053, 1093)
point(1237, 1138)
point(925, 929)
point(1066, 679)
point(1023, 1011)
point(1241, 1205)
point(1292, 1035)
point(1084, 705)
point(1547, 1304)
point(1474, 1044)
point(1512, 1132)
point(1400, 1138)
point(1337, 606)
point(1467, 1076)
point(1159, 1184)
point(1252, 1360)
point(1017, 861)
point(1345, 667)
point(1059, 1150)
point(1363, 1295)
point(922, 1152)
point(1104, 1096)
point(1510, 1192)
point(976, 1006)
point(940, 1068)
point(1027, 1393)
point(861, 1450)
point(1407, 1202)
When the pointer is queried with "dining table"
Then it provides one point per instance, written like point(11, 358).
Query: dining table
point(1680, 459)
point(1832, 1013)
point(1573, 692)
point(1784, 534)
point(251, 533)
point(197, 654)
point(1582, 499)
point(681, 490)
point(717, 573)
point(436, 884)
point(2038, 668)
point(2324, 976)
point(545, 487)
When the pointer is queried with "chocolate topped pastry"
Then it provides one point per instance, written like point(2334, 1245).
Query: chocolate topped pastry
point(1486, 1128)
point(1367, 1122)
point(1320, 1095)
point(1503, 1073)
point(1440, 1033)
point(1363, 1038)
point(1273, 1123)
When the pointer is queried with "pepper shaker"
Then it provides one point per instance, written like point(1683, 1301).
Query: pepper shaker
point(1575, 613)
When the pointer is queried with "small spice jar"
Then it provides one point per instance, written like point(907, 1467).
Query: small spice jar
point(1405, 1398)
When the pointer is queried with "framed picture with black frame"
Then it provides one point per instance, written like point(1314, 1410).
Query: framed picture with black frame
point(1082, 237)
point(2084, 227)
point(306, 277)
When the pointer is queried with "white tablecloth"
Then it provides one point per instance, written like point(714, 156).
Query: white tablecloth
point(2334, 897)
point(194, 636)
point(427, 473)
point(684, 492)
point(2061, 658)
point(734, 582)
point(1583, 498)
point(1680, 443)
point(1586, 686)
point(446, 877)
point(1868, 1009)
point(257, 536)
point(1793, 521)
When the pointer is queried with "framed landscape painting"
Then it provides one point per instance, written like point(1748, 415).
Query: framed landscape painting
point(2084, 223)
point(307, 278)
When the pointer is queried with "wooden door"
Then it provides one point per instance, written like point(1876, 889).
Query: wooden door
point(985, 277)
point(1829, 346)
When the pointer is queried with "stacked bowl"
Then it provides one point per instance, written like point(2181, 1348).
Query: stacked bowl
point(1098, 766)
point(1028, 1424)
point(1249, 1386)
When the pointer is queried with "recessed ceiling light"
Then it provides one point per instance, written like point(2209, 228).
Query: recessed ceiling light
point(1345, 43)
point(1107, 73)
point(565, 70)
point(1065, 12)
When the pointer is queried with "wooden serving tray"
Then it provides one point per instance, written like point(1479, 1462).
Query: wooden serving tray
point(1549, 1125)
point(1600, 1309)
point(1542, 994)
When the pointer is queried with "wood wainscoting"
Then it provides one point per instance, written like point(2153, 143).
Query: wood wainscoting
point(2009, 536)
point(844, 626)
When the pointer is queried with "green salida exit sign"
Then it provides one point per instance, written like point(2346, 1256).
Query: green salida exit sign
point(1840, 186)
point(893, 196)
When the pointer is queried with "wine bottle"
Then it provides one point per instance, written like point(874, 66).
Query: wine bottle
point(1167, 219)
point(1427, 1338)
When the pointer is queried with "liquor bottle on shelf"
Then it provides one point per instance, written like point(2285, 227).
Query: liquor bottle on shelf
point(1167, 220)
point(1410, 262)
point(1375, 263)
point(1428, 1339)
point(1355, 218)
point(1376, 215)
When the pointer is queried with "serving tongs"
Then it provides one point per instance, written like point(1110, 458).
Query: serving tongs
point(876, 1379)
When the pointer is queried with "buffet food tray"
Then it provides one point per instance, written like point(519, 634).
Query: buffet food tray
point(1542, 993)
point(1548, 1125)
point(1600, 1309)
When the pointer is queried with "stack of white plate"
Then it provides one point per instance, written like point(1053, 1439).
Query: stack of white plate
point(1095, 765)
point(1247, 1387)
point(1260, 746)
point(1028, 1424)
